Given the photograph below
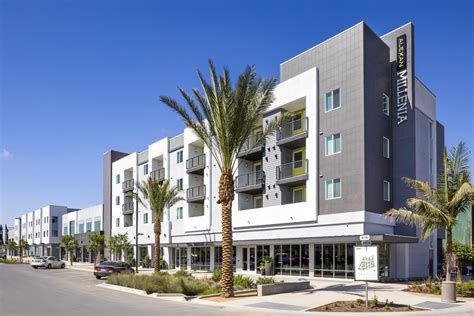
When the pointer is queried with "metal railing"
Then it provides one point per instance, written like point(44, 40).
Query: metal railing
point(196, 193)
point(251, 141)
point(127, 185)
point(127, 208)
point(292, 169)
point(158, 174)
point(198, 161)
point(295, 127)
point(250, 179)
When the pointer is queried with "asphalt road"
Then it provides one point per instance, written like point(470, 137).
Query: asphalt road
point(26, 291)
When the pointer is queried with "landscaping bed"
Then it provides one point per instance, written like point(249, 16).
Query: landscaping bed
point(359, 306)
point(181, 282)
point(9, 261)
point(431, 287)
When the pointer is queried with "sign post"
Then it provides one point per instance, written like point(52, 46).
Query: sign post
point(366, 264)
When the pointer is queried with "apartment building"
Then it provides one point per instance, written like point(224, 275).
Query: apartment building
point(362, 120)
point(81, 224)
point(41, 229)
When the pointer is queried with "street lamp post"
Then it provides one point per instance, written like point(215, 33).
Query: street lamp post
point(19, 240)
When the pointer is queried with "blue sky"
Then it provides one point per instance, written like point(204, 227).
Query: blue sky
point(81, 77)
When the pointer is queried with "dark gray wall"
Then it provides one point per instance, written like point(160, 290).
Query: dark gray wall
point(108, 158)
point(377, 125)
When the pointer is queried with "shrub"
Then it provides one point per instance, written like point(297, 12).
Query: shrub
point(162, 273)
point(193, 286)
point(9, 261)
point(265, 280)
point(359, 301)
point(243, 282)
point(182, 274)
point(216, 275)
point(465, 288)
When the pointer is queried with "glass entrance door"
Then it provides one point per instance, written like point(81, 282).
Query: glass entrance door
point(249, 259)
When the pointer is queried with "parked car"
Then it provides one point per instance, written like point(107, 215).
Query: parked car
point(3, 255)
point(106, 268)
point(47, 262)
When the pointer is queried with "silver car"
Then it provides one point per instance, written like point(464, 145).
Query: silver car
point(47, 262)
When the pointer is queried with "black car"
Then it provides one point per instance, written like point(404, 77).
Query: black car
point(106, 268)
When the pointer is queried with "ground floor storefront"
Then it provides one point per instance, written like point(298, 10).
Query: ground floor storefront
point(43, 250)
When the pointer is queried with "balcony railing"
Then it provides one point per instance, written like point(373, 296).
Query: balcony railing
point(293, 133)
point(128, 185)
point(292, 173)
point(249, 150)
point(196, 194)
point(196, 164)
point(127, 208)
point(158, 174)
point(250, 183)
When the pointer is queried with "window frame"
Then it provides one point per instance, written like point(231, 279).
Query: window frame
point(179, 212)
point(179, 157)
point(388, 191)
point(117, 178)
point(332, 100)
point(117, 200)
point(333, 144)
point(326, 189)
point(145, 169)
point(303, 194)
point(385, 101)
point(117, 222)
point(179, 184)
point(255, 198)
point(387, 140)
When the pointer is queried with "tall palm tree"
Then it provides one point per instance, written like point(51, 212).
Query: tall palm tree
point(112, 245)
point(70, 244)
point(157, 195)
point(12, 247)
point(96, 245)
point(435, 208)
point(224, 117)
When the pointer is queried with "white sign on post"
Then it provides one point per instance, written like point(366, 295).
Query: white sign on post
point(366, 263)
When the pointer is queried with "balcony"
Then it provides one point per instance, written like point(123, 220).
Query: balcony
point(251, 152)
point(128, 185)
point(127, 208)
point(251, 183)
point(196, 164)
point(293, 135)
point(196, 194)
point(158, 174)
point(292, 174)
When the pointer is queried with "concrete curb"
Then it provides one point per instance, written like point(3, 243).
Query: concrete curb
point(177, 297)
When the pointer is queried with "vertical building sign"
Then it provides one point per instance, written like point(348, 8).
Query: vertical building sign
point(402, 81)
point(366, 263)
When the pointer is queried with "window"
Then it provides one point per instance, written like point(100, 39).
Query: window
point(333, 100)
point(117, 179)
point(179, 156)
point(333, 189)
point(145, 218)
point(299, 194)
point(386, 147)
point(88, 227)
point(117, 200)
point(386, 104)
point(81, 228)
point(72, 226)
point(386, 191)
point(44, 234)
point(96, 226)
point(145, 169)
point(117, 222)
point(179, 213)
point(333, 144)
point(430, 130)
point(65, 231)
point(54, 233)
point(257, 201)
point(54, 219)
point(179, 184)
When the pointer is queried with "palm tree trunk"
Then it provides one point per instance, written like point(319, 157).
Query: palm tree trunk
point(449, 252)
point(226, 196)
point(156, 258)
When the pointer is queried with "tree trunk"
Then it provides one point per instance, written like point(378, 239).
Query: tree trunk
point(70, 257)
point(449, 252)
point(156, 258)
point(226, 196)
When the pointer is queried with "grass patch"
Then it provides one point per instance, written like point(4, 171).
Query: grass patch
point(9, 261)
point(265, 280)
point(431, 287)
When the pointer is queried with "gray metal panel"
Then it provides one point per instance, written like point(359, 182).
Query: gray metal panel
point(176, 142)
point(143, 157)
point(108, 158)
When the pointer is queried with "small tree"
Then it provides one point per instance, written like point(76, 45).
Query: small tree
point(119, 245)
point(70, 244)
point(12, 247)
point(23, 245)
point(96, 245)
point(464, 255)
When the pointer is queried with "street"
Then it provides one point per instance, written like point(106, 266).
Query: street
point(25, 291)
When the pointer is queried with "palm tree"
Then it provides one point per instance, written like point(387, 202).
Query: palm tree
point(23, 246)
point(123, 245)
point(96, 245)
point(224, 118)
point(70, 244)
point(112, 245)
point(160, 195)
point(12, 246)
point(436, 208)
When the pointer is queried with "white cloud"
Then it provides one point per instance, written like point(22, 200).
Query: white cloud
point(5, 154)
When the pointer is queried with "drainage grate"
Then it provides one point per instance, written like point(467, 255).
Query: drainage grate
point(278, 306)
point(434, 305)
